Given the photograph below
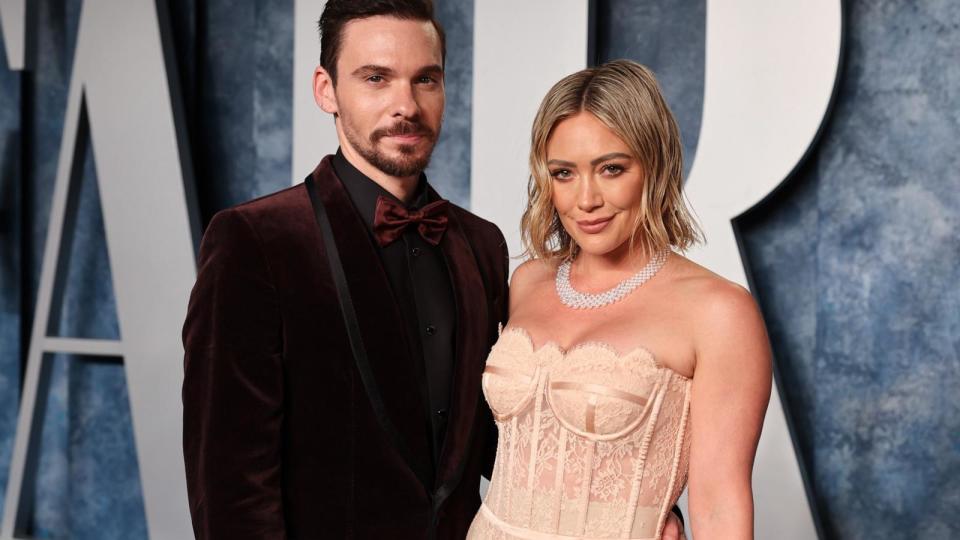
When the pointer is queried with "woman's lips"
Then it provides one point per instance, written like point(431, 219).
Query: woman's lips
point(593, 226)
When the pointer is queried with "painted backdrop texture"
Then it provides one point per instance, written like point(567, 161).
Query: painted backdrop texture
point(854, 261)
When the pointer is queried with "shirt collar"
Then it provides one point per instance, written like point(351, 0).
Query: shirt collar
point(364, 192)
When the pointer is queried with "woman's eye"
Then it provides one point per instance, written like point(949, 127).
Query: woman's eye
point(561, 174)
point(612, 170)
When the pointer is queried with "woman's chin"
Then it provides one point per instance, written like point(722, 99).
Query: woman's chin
point(599, 247)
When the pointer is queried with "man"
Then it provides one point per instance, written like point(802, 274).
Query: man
point(287, 434)
point(337, 333)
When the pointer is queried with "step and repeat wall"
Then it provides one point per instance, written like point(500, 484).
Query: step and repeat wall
point(125, 125)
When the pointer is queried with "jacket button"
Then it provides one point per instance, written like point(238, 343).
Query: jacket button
point(431, 329)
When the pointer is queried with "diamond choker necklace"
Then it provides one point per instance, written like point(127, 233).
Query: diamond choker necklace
point(578, 300)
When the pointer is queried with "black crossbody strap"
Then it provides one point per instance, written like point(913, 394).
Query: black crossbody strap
point(353, 331)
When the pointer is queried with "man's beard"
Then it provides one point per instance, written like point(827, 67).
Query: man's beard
point(409, 163)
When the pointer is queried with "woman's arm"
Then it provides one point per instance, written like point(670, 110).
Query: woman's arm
point(731, 388)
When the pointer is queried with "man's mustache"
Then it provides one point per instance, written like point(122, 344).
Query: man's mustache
point(404, 127)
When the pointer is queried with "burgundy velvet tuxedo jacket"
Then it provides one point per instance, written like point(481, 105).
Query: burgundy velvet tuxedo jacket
point(280, 438)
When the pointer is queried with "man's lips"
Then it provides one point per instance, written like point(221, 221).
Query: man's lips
point(407, 138)
point(593, 226)
point(409, 133)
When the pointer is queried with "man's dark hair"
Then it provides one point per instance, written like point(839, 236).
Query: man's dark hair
point(338, 13)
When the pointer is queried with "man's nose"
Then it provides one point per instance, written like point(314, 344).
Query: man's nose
point(405, 101)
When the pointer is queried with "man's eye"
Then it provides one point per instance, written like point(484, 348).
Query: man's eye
point(375, 78)
point(426, 80)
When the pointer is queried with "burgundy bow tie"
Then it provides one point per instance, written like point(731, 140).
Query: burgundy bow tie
point(392, 218)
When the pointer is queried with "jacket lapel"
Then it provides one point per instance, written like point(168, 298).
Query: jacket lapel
point(469, 354)
point(389, 365)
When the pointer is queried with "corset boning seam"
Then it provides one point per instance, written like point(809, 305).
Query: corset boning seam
point(677, 449)
point(641, 465)
point(534, 447)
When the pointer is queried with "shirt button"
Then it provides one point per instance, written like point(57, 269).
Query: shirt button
point(431, 329)
point(415, 252)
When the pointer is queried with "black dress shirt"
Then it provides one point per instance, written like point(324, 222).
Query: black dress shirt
point(420, 280)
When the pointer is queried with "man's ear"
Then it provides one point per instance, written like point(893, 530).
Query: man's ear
point(323, 91)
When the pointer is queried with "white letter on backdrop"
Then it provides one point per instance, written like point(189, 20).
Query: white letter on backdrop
point(314, 135)
point(120, 101)
point(13, 22)
point(771, 67)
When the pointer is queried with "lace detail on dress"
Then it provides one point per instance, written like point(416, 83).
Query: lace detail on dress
point(593, 443)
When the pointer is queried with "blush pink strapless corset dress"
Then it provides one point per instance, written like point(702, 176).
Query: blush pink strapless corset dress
point(593, 443)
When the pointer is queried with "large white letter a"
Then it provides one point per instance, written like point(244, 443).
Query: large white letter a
point(120, 100)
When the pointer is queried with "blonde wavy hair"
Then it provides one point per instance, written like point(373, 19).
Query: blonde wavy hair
point(624, 96)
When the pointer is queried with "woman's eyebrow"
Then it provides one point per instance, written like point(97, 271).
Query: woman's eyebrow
point(612, 155)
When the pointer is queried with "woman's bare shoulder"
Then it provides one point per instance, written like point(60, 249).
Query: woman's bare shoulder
point(532, 271)
point(710, 297)
point(724, 316)
point(529, 276)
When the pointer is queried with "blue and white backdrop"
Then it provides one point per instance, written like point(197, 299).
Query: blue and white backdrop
point(853, 257)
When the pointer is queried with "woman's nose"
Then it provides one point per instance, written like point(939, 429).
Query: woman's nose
point(589, 197)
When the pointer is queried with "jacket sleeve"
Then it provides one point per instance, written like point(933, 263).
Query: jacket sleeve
point(502, 313)
point(233, 388)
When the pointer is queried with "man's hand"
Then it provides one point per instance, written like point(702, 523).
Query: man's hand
point(673, 530)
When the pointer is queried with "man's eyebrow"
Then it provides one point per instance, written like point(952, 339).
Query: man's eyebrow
point(372, 68)
point(611, 155)
point(435, 69)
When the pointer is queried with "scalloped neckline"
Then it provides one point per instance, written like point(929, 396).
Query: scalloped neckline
point(566, 351)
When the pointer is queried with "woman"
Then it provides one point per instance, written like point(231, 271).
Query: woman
point(625, 368)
